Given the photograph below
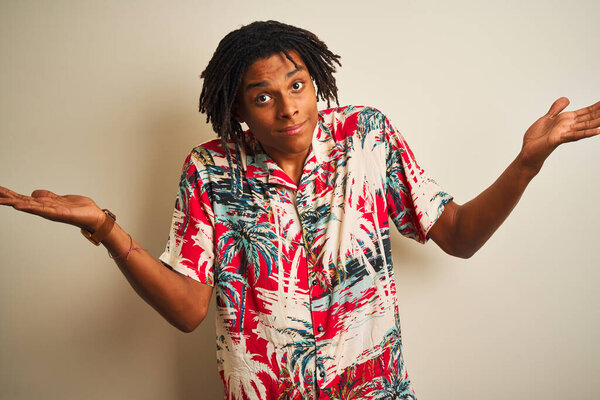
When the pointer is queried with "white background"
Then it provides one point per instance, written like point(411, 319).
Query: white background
point(100, 98)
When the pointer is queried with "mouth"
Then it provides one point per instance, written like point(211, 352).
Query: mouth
point(292, 130)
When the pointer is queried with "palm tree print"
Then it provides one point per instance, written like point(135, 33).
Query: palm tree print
point(350, 386)
point(187, 186)
point(393, 388)
point(304, 348)
point(227, 294)
point(395, 385)
point(253, 243)
point(287, 260)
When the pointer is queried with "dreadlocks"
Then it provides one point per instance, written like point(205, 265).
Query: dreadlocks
point(240, 49)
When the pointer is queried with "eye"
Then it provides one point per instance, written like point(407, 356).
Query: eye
point(297, 85)
point(262, 98)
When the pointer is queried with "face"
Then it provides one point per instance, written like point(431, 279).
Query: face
point(277, 101)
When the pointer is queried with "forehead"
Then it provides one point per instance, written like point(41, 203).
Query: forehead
point(273, 66)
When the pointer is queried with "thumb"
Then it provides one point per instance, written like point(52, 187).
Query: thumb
point(44, 193)
point(558, 106)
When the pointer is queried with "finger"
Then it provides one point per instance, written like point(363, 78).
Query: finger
point(589, 112)
point(19, 201)
point(44, 208)
point(574, 136)
point(589, 124)
point(44, 193)
point(19, 204)
point(559, 105)
point(9, 201)
point(33, 201)
point(6, 192)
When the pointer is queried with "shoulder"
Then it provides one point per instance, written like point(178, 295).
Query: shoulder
point(207, 153)
point(342, 122)
point(348, 112)
point(212, 153)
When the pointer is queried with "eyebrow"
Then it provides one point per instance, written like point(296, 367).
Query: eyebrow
point(265, 83)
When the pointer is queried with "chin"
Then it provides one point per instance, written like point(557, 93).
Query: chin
point(303, 143)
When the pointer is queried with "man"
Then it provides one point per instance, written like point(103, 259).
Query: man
point(289, 222)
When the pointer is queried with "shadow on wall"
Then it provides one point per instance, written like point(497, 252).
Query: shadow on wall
point(197, 375)
point(168, 140)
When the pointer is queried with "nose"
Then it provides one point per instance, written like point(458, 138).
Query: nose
point(288, 107)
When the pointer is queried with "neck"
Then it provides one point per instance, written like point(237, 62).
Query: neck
point(294, 172)
point(291, 164)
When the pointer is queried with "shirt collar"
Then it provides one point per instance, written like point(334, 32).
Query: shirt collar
point(257, 164)
point(322, 142)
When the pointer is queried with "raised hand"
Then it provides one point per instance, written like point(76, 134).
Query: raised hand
point(555, 128)
point(70, 209)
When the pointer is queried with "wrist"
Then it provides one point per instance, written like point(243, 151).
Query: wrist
point(102, 228)
point(526, 168)
point(98, 221)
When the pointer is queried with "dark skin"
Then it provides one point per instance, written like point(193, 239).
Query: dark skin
point(182, 301)
point(461, 230)
point(278, 102)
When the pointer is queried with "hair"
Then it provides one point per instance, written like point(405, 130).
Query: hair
point(240, 49)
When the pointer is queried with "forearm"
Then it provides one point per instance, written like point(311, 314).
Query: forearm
point(168, 292)
point(181, 300)
point(476, 220)
point(462, 230)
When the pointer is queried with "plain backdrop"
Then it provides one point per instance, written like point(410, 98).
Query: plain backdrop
point(100, 98)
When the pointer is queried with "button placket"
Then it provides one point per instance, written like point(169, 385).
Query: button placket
point(301, 205)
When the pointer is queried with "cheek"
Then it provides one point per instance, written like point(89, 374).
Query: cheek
point(309, 100)
point(253, 116)
point(260, 122)
point(264, 120)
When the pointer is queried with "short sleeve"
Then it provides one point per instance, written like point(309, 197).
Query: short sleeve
point(415, 201)
point(190, 246)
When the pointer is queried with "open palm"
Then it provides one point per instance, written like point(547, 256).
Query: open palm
point(557, 127)
point(71, 209)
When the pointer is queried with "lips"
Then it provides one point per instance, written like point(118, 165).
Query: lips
point(292, 130)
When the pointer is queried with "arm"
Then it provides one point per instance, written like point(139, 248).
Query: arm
point(461, 230)
point(180, 300)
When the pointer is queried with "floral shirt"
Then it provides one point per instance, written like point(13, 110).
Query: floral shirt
point(305, 292)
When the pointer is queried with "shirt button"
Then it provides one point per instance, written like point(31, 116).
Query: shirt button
point(321, 329)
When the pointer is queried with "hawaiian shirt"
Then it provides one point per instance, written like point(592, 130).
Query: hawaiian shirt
point(305, 292)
